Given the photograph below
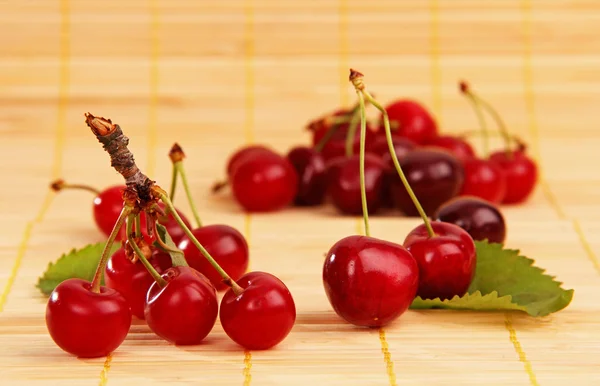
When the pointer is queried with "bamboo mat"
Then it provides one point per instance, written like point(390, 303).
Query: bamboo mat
point(214, 75)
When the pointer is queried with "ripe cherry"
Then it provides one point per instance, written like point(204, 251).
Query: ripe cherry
point(455, 145)
point(85, 323)
point(312, 177)
point(262, 315)
point(402, 146)
point(369, 282)
point(184, 311)
point(484, 179)
point(266, 182)
point(242, 154)
point(435, 176)
point(131, 278)
point(225, 244)
point(344, 186)
point(446, 260)
point(521, 174)
point(413, 120)
point(479, 218)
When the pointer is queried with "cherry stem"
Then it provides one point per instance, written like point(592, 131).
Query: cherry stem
point(173, 182)
point(493, 112)
point(226, 278)
point(59, 185)
point(357, 81)
point(357, 116)
point(363, 193)
point(138, 225)
point(107, 247)
point(482, 124)
point(188, 192)
point(155, 275)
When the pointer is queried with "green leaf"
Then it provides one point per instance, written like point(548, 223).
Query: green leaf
point(505, 280)
point(177, 256)
point(78, 263)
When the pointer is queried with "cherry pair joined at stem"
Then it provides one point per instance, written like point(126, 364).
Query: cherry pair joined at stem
point(370, 282)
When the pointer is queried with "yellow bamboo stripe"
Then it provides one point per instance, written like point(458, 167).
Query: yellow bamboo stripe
point(249, 134)
point(153, 83)
point(434, 54)
point(59, 141)
point(519, 350)
point(586, 245)
point(105, 369)
point(344, 66)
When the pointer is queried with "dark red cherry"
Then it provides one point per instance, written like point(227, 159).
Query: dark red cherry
point(344, 187)
point(446, 261)
point(402, 146)
point(413, 120)
point(85, 323)
point(521, 175)
point(434, 175)
point(483, 179)
point(369, 282)
point(479, 218)
point(456, 145)
point(266, 182)
point(225, 244)
point(242, 154)
point(262, 315)
point(184, 311)
point(132, 279)
point(312, 176)
point(107, 208)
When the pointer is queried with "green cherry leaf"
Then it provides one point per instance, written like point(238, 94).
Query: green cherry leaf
point(78, 263)
point(177, 256)
point(505, 280)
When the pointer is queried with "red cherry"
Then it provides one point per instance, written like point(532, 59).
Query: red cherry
point(402, 146)
point(85, 323)
point(185, 310)
point(225, 244)
point(483, 179)
point(266, 182)
point(480, 218)
point(107, 208)
point(456, 145)
point(344, 187)
point(241, 155)
point(413, 120)
point(262, 315)
point(521, 175)
point(312, 178)
point(446, 261)
point(369, 282)
point(131, 279)
point(434, 175)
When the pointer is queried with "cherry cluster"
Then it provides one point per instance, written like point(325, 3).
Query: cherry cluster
point(166, 272)
point(451, 181)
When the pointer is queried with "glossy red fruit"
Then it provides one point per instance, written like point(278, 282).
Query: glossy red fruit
point(107, 208)
point(479, 218)
point(521, 175)
point(435, 176)
point(483, 179)
point(414, 121)
point(344, 187)
point(132, 279)
point(225, 244)
point(185, 310)
point(336, 145)
point(242, 154)
point(312, 175)
point(446, 261)
point(369, 282)
point(85, 323)
point(262, 315)
point(402, 146)
point(456, 145)
point(266, 182)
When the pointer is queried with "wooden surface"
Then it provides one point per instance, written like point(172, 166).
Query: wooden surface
point(213, 75)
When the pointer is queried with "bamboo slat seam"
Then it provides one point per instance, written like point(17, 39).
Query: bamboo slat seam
point(154, 83)
point(344, 49)
point(434, 57)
